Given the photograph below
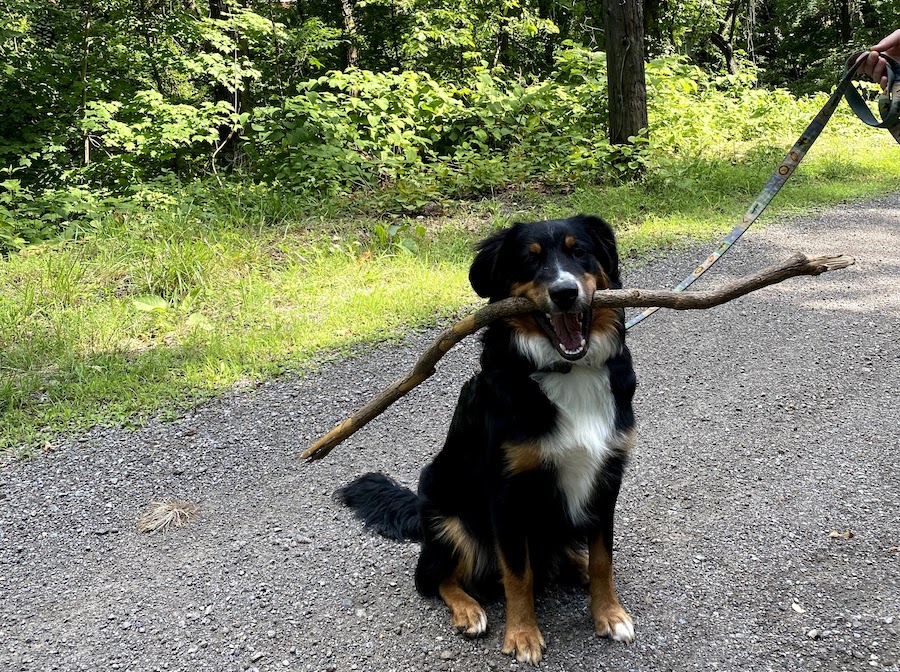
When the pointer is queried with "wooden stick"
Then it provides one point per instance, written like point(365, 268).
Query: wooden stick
point(798, 264)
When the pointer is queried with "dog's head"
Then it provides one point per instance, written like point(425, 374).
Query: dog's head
point(558, 264)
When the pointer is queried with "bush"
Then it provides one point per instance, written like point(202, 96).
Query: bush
point(399, 140)
point(364, 130)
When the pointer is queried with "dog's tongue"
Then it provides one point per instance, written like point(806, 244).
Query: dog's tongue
point(568, 327)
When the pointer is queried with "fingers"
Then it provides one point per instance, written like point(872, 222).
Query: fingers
point(879, 72)
point(890, 44)
point(874, 66)
point(870, 62)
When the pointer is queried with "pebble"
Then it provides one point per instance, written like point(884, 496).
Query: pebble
point(813, 634)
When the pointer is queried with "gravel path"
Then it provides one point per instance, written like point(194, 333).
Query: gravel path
point(764, 425)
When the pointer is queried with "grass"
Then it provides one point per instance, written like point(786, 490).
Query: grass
point(159, 309)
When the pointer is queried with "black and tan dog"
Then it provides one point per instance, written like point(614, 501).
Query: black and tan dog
point(525, 486)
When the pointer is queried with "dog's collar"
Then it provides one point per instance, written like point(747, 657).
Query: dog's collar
point(558, 367)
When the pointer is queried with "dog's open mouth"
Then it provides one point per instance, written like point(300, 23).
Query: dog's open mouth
point(568, 332)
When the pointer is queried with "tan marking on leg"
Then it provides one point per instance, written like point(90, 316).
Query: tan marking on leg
point(610, 619)
point(521, 457)
point(452, 531)
point(466, 615)
point(522, 637)
point(578, 561)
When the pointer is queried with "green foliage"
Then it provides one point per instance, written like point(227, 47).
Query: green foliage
point(364, 130)
point(107, 105)
point(147, 135)
point(216, 287)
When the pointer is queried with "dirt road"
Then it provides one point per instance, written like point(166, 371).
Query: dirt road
point(764, 425)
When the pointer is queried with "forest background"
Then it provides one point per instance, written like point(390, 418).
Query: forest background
point(197, 196)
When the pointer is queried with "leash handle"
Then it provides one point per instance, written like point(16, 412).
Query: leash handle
point(888, 101)
point(889, 106)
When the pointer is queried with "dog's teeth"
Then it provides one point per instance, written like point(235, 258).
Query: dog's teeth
point(562, 347)
point(583, 342)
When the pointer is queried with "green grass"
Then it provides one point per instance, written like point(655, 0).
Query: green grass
point(159, 309)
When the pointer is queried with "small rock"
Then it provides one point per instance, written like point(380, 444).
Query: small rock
point(257, 656)
point(447, 654)
point(813, 634)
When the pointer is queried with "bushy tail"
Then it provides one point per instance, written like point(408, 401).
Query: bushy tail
point(384, 506)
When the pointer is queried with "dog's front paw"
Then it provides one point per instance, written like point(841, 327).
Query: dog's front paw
point(469, 618)
point(615, 623)
point(524, 642)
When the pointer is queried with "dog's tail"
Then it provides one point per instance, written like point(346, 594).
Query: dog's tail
point(384, 506)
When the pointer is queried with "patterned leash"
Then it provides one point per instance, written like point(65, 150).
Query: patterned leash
point(888, 107)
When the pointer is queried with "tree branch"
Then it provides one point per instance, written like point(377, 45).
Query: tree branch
point(798, 264)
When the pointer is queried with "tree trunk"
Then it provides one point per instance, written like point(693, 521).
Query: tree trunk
point(727, 49)
point(845, 26)
point(351, 54)
point(625, 69)
point(652, 24)
point(545, 11)
point(723, 40)
point(217, 9)
point(85, 54)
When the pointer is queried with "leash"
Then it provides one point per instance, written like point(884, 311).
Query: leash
point(889, 109)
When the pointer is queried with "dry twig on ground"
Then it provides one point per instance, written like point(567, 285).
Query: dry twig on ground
point(166, 515)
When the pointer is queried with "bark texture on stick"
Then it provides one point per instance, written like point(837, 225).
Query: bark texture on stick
point(798, 264)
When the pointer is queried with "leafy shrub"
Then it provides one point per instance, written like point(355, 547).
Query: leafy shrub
point(29, 215)
point(363, 130)
point(147, 135)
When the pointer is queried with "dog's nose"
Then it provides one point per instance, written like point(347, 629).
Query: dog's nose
point(564, 293)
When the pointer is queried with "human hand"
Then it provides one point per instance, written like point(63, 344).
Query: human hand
point(875, 66)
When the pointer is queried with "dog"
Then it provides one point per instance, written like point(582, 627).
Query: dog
point(525, 486)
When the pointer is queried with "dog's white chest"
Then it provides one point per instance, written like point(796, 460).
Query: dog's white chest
point(585, 433)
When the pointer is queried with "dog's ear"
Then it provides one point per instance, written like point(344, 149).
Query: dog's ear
point(607, 253)
point(484, 274)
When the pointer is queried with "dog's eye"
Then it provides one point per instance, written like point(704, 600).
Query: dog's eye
point(578, 252)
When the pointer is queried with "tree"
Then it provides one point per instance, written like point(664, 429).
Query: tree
point(625, 69)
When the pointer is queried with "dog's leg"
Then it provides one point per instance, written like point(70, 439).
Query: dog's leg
point(448, 559)
point(523, 638)
point(574, 567)
point(610, 619)
point(466, 615)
